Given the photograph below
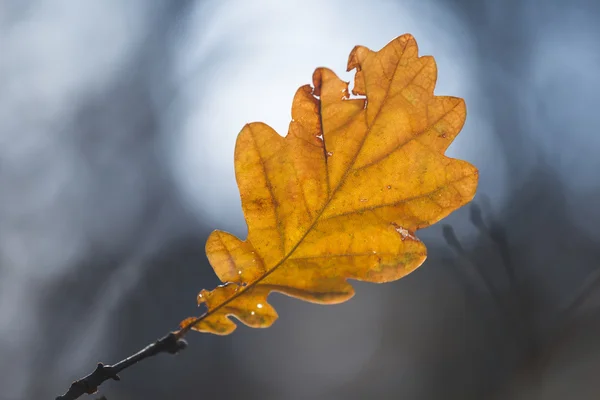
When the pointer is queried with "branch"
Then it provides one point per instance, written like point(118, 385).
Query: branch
point(172, 343)
point(588, 287)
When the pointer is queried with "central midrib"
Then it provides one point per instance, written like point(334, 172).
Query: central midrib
point(317, 217)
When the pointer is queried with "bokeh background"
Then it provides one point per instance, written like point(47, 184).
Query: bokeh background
point(117, 126)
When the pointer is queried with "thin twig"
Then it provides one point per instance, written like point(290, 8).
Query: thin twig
point(172, 343)
point(590, 284)
point(455, 244)
point(568, 312)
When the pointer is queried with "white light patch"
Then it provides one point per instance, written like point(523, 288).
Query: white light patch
point(243, 61)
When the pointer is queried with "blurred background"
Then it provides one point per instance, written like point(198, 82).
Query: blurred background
point(117, 127)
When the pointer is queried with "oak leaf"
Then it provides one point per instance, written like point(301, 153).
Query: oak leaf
point(341, 196)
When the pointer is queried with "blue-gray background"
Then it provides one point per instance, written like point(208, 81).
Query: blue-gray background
point(117, 126)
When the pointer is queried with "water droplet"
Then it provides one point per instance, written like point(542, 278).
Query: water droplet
point(239, 272)
point(389, 186)
point(252, 313)
point(374, 252)
point(329, 153)
point(362, 200)
point(259, 305)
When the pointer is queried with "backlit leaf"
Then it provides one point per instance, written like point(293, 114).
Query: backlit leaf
point(341, 196)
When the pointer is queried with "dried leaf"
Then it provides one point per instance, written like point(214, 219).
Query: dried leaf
point(341, 196)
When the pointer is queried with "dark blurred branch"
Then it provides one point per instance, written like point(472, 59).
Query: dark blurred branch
point(520, 314)
point(517, 310)
point(171, 343)
point(591, 283)
point(455, 244)
point(523, 310)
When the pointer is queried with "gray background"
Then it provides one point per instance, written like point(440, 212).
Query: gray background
point(117, 126)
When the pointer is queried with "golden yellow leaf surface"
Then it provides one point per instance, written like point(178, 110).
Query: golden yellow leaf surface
point(341, 196)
